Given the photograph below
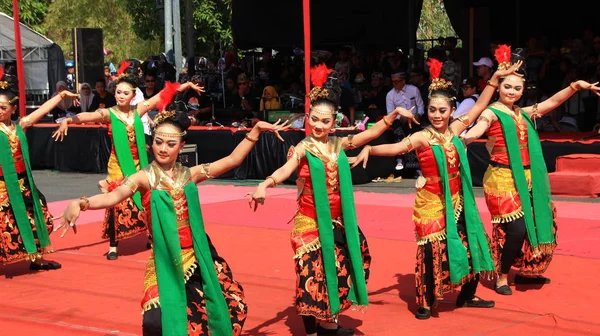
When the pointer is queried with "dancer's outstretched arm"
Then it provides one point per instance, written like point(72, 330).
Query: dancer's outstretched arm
point(51, 103)
point(137, 181)
point(205, 171)
point(364, 137)
point(407, 144)
point(281, 174)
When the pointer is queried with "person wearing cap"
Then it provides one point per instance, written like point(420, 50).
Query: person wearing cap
point(408, 97)
point(484, 71)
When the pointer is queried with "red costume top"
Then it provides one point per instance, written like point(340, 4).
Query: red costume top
point(429, 214)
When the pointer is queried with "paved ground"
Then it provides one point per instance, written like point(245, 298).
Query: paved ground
point(58, 186)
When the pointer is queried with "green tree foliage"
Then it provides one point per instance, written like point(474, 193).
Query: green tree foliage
point(31, 12)
point(212, 24)
point(109, 15)
point(146, 23)
point(434, 21)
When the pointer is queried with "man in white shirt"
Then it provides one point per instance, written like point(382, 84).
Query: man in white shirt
point(406, 96)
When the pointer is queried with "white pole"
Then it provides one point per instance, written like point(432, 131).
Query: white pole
point(177, 37)
point(168, 27)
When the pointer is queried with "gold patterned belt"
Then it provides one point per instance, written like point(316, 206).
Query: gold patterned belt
point(330, 190)
point(503, 149)
point(439, 179)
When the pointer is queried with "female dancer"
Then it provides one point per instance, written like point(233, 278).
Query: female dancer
point(330, 252)
point(524, 232)
point(193, 292)
point(25, 222)
point(453, 246)
point(128, 153)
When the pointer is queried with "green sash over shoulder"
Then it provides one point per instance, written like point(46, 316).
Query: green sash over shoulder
point(358, 291)
point(539, 218)
point(124, 155)
point(169, 266)
point(481, 257)
point(15, 197)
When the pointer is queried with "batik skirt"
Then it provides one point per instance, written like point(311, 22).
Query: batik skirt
point(12, 248)
point(312, 298)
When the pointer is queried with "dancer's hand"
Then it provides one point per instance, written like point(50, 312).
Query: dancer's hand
point(258, 197)
point(68, 218)
point(587, 86)
point(406, 115)
point(190, 85)
point(276, 127)
point(62, 130)
point(363, 157)
point(512, 70)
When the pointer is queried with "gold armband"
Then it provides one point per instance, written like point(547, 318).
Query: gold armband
point(408, 144)
point(86, 205)
point(464, 119)
point(494, 85)
point(482, 118)
point(145, 103)
point(205, 170)
point(26, 120)
point(274, 181)
point(130, 184)
point(350, 144)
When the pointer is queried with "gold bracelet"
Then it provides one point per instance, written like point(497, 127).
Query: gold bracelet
point(86, 205)
point(387, 122)
point(249, 138)
point(574, 86)
point(492, 84)
point(26, 120)
point(274, 181)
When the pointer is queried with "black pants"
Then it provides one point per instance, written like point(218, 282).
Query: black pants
point(516, 232)
point(467, 290)
point(112, 235)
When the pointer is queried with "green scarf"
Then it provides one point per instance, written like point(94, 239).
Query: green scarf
point(169, 266)
point(15, 197)
point(481, 257)
point(358, 291)
point(121, 143)
point(539, 218)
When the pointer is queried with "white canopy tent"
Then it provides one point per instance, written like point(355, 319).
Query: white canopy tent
point(37, 50)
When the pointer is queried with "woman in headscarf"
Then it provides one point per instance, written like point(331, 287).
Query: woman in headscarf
point(64, 105)
point(270, 99)
point(86, 96)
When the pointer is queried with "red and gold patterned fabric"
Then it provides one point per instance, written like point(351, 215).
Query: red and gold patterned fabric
point(124, 218)
point(429, 211)
point(12, 248)
point(232, 290)
point(496, 144)
point(311, 292)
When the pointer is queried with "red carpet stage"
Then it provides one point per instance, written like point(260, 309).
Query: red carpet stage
point(93, 296)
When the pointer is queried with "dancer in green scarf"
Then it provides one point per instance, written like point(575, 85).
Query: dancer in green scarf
point(25, 222)
point(453, 248)
point(331, 254)
point(189, 288)
point(128, 153)
point(524, 232)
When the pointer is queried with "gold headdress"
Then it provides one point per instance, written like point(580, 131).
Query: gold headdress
point(3, 84)
point(318, 77)
point(437, 83)
point(502, 55)
point(162, 116)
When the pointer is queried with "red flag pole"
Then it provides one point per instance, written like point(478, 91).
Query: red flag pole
point(19, 59)
point(307, 57)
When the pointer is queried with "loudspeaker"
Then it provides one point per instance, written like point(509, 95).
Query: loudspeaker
point(88, 48)
point(189, 155)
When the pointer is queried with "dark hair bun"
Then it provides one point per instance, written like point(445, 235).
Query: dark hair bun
point(517, 55)
point(180, 119)
point(130, 76)
point(334, 91)
point(10, 77)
